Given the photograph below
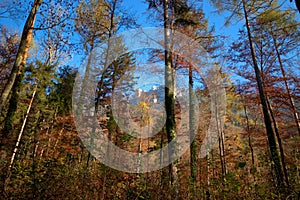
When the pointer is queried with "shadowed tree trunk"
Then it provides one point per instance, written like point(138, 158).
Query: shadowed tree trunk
point(295, 114)
point(170, 98)
point(111, 31)
point(21, 57)
point(279, 143)
point(267, 118)
point(193, 156)
point(8, 173)
point(248, 133)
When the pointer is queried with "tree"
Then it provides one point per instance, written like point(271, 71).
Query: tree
point(280, 23)
point(97, 23)
point(170, 94)
point(297, 2)
point(8, 51)
point(15, 77)
point(60, 93)
point(271, 25)
point(283, 33)
point(247, 10)
point(11, 9)
point(14, 82)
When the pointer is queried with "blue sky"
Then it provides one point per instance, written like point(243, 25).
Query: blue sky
point(215, 19)
point(139, 8)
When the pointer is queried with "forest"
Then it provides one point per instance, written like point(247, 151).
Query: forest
point(150, 99)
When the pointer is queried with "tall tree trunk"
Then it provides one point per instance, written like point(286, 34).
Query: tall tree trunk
point(170, 100)
point(85, 176)
point(223, 151)
point(221, 157)
point(220, 138)
point(209, 162)
point(139, 156)
point(193, 156)
point(267, 119)
point(13, 104)
point(7, 177)
point(249, 138)
point(21, 55)
point(100, 85)
point(34, 153)
point(279, 143)
point(18, 141)
point(295, 114)
point(111, 32)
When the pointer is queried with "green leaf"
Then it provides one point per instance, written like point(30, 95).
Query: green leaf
point(241, 165)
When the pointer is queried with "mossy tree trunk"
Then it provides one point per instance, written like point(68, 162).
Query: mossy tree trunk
point(16, 74)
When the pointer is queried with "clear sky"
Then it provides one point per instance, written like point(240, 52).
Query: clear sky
point(139, 9)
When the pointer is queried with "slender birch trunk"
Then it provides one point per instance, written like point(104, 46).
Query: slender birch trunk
point(21, 131)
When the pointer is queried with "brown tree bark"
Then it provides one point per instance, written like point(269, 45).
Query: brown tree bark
point(193, 156)
point(21, 55)
point(111, 30)
point(170, 99)
point(267, 118)
point(295, 114)
point(7, 178)
point(279, 143)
